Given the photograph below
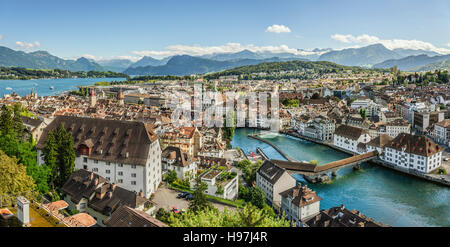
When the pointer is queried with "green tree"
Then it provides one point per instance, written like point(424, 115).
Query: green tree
point(253, 195)
point(249, 216)
point(14, 179)
point(362, 112)
point(171, 176)
point(200, 201)
point(59, 156)
point(229, 130)
point(18, 126)
point(6, 120)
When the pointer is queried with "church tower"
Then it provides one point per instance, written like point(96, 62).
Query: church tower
point(120, 97)
point(92, 98)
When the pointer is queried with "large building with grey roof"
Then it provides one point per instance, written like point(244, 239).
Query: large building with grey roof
point(273, 180)
point(123, 152)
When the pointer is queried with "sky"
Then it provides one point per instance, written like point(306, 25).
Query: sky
point(131, 29)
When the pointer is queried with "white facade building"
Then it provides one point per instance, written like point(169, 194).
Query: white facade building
point(124, 152)
point(413, 152)
point(348, 138)
point(442, 132)
point(273, 180)
point(299, 204)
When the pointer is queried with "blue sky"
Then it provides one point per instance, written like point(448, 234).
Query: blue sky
point(106, 29)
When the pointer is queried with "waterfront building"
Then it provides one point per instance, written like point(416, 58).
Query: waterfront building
point(273, 180)
point(348, 138)
point(341, 217)
point(173, 159)
point(378, 143)
point(413, 152)
point(299, 204)
point(124, 152)
point(93, 194)
point(442, 132)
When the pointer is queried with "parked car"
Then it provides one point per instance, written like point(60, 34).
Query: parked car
point(189, 197)
point(182, 195)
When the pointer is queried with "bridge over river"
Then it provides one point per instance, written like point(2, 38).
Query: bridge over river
point(312, 172)
point(316, 173)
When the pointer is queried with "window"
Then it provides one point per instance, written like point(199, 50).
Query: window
point(108, 171)
point(120, 165)
point(108, 163)
point(95, 161)
point(84, 160)
point(120, 181)
point(133, 166)
point(95, 169)
point(133, 175)
point(133, 182)
point(107, 178)
point(120, 173)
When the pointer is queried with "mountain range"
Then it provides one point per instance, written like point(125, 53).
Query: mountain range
point(375, 55)
point(44, 60)
point(410, 63)
point(188, 65)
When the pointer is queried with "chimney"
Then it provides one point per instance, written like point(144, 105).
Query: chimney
point(113, 186)
point(91, 176)
point(96, 181)
point(342, 207)
point(109, 195)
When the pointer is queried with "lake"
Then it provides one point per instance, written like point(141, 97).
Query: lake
point(42, 86)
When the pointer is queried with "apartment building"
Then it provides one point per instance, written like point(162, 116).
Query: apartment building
point(124, 152)
point(348, 138)
point(273, 180)
point(299, 204)
point(414, 152)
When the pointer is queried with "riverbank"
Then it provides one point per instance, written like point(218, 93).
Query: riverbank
point(391, 197)
point(438, 179)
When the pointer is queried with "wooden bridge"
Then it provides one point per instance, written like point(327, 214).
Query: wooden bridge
point(316, 173)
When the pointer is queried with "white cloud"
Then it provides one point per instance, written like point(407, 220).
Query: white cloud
point(28, 46)
point(448, 44)
point(197, 50)
point(278, 29)
point(389, 43)
point(1, 37)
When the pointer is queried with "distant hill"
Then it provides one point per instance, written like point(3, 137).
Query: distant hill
point(409, 52)
point(188, 65)
point(44, 60)
point(295, 65)
point(411, 62)
point(149, 61)
point(116, 65)
point(364, 56)
point(440, 65)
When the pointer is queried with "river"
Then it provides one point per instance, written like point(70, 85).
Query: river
point(42, 86)
point(380, 193)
